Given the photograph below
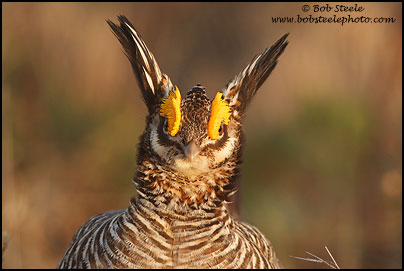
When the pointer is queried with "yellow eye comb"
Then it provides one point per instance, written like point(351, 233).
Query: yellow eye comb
point(170, 106)
point(219, 111)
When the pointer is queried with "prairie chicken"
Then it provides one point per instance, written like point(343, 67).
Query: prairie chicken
point(189, 156)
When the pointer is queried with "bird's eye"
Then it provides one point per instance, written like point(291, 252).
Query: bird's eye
point(165, 126)
point(221, 129)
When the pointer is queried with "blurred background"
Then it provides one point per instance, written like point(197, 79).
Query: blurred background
point(323, 157)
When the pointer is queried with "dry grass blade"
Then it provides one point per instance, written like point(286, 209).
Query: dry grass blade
point(317, 259)
point(329, 253)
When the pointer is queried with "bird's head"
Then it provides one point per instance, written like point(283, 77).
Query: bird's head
point(192, 136)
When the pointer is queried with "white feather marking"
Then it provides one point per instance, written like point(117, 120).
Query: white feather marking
point(252, 65)
point(158, 148)
point(158, 72)
point(229, 87)
point(242, 75)
point(227, 151)
point(137, 39)
point(149, 80)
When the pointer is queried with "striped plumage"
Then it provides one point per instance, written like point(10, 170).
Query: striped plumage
point(150, 237)
point(184, 179)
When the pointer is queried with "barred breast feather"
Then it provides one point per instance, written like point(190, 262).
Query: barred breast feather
point(146, 236)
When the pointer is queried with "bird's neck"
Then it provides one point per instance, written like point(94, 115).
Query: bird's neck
point(171, 213)
point(162, 186)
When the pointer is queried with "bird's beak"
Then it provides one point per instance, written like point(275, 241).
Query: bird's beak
point(191, 150)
